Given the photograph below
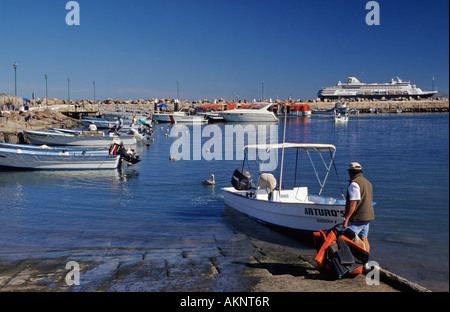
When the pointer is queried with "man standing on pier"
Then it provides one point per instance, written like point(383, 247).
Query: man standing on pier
point(359, 208)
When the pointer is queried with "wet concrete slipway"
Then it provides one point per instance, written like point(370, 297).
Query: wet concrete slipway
point(245, 257)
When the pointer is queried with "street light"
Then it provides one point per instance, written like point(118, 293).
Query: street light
point(94, 90)
point(68, 90)
point(15, 78)
point(262, 91)
point(46, 91)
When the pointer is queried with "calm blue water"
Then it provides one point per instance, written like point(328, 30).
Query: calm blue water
point(160, 203)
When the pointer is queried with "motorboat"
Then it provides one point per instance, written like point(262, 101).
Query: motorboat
point(323, 111)
point(181, 115)
point(110, 123)
point(254, 113)
point(25, 156)
point(71, 149)
point(295, 208)
point(100, 123)
point(187, 118)
point(340, 118)
point(340, 112)
point(76, 138)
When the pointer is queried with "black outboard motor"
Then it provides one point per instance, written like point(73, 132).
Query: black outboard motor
point(128, 155)
point(242, 180)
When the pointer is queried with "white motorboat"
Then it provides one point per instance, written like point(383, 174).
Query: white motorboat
point(255, 113)
point(340, 118)
point(47, 148)
point(76, 138)
point(100, 123)
point(110, 123)
point(23, 156)
point(340, 112)
point(291, 208)
point(187, 118)
point(181, 115)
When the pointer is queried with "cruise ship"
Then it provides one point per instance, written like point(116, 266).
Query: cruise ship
point(354, 88)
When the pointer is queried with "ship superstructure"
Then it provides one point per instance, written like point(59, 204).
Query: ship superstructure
point(353, 88)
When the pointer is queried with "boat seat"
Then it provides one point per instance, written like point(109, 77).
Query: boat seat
point(301, 193)
point(93, 133)
point(267, 181)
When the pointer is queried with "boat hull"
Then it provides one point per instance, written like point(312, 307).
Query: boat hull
point(50, 138)
point(247, 117)
point(375, 96)
point(306, 216)
point(187, 119)
point(340, 119)
point(28, 159)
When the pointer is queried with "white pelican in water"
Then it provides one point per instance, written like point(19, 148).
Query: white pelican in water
point(210, 181)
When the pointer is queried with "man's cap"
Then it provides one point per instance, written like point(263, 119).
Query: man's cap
point(354, 166)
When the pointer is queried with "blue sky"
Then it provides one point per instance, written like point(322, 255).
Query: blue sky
point(216, 49)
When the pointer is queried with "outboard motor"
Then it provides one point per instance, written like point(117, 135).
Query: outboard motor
point(242, 180)
point(128, 155)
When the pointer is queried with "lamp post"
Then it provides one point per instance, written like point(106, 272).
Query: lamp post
point(262, 91)
point(15, 78)
point(46, 91)
point(94, 90)
point(68, 90)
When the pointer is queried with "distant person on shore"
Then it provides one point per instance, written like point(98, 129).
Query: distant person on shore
point(119, 123)
point(359, 203)
point(28, 121)
point(113, 130)
point(92, 127)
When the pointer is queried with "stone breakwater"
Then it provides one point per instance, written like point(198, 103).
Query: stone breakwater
point(423, 106)
point(13, 122)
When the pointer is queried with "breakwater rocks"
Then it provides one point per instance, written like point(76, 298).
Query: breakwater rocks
point(12, 123)
point(423, 106)
point(408, 106)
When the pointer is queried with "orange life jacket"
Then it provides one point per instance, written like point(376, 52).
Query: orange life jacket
point(327, 259)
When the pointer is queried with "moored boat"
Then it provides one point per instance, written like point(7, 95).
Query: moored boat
point(76, 138)
point(23, 156)
point(293, 208)
point(323, 111)
point(254, 113)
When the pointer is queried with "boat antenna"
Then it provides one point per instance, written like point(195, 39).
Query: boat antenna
point(282, 151)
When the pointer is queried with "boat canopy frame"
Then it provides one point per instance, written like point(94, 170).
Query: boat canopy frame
point(307, 147)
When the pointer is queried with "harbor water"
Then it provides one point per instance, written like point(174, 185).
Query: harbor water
point(160, 202)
